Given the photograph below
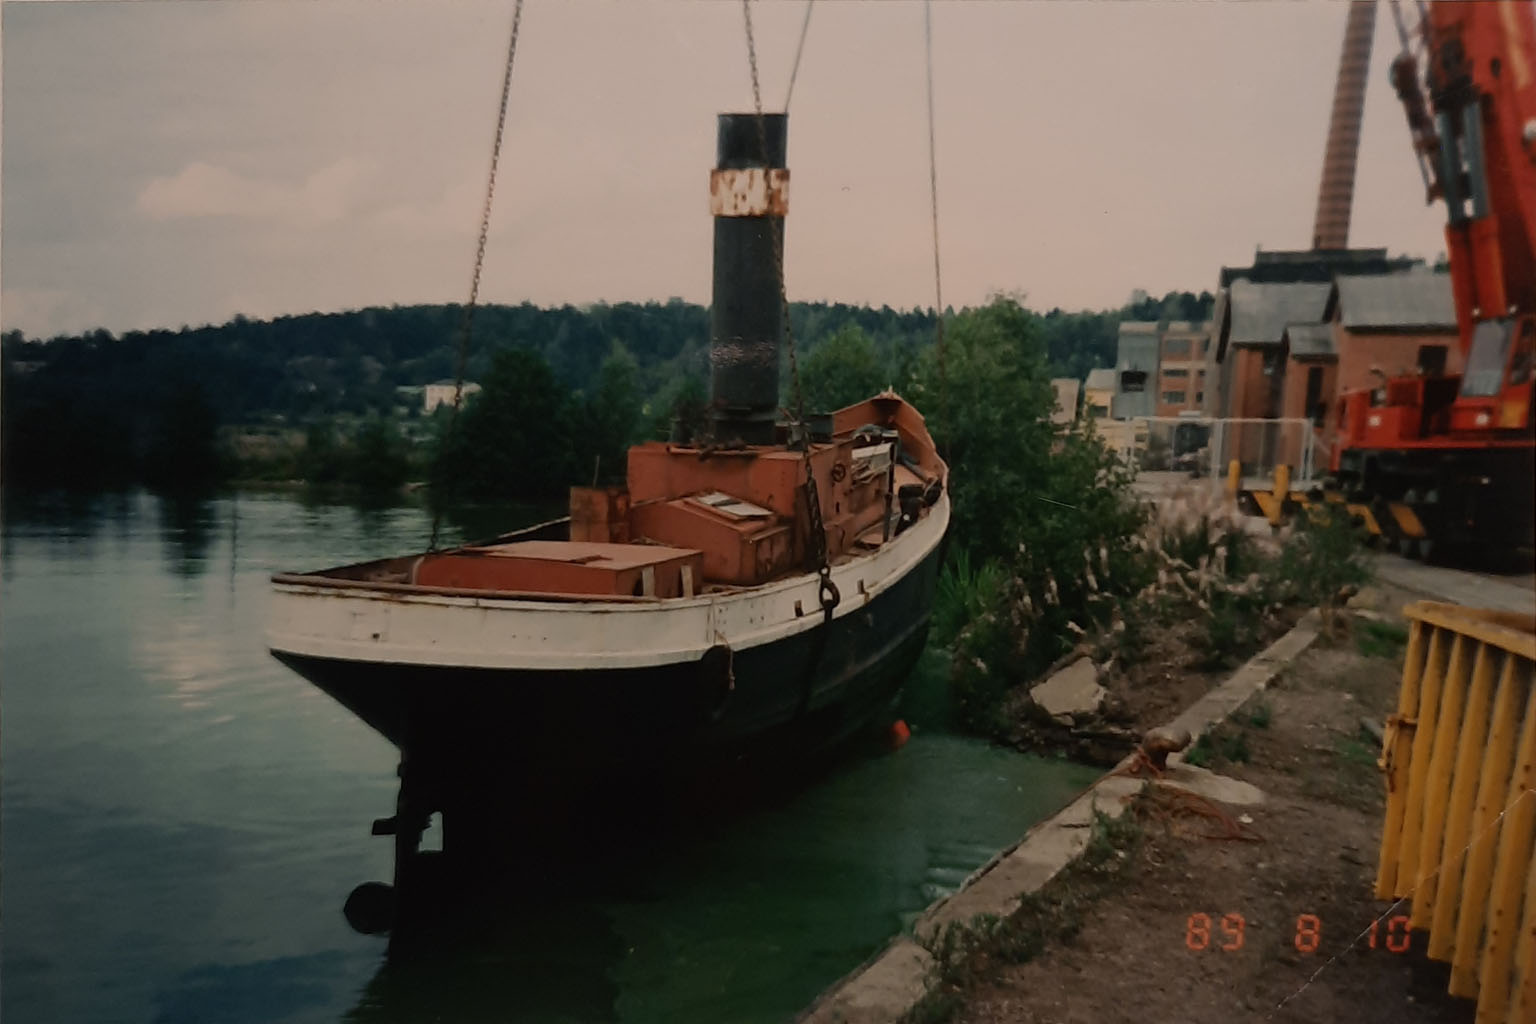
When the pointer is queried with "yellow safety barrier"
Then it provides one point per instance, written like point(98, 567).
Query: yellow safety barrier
point(1460, 834)
point(1408, 523)
point(1364, 515)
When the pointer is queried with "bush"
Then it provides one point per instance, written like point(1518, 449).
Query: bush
point(1045, 512)
point(965, 592)
point(1322, 556)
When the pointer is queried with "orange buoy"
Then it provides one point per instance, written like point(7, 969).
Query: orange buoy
point(899, 734)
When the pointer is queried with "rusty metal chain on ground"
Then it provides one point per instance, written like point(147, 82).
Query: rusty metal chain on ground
point(826, 592)
point(467, 323)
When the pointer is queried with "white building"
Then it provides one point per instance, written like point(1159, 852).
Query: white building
point(441, 393)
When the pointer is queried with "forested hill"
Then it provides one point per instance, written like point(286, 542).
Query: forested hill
point(330, 363)
point(101, 397)
point(336, 363)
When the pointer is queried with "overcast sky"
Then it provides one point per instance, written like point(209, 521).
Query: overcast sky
point(177, 162)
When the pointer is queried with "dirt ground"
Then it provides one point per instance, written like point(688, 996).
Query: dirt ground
point(1172, 667)
point(1207, 931)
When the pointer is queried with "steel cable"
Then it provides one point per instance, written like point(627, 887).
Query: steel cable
point(467, 323)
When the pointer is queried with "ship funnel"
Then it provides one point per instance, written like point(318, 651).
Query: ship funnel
point(749, 196)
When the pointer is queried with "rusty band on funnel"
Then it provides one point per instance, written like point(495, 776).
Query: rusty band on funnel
point(749, 192)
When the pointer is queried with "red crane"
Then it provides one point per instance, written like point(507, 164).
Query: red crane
point(1450, 459)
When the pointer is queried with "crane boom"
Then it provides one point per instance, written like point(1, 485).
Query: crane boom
point(1450, 458)
point(1474, 123)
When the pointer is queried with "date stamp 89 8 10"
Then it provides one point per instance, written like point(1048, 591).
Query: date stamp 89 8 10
point(1228, 933)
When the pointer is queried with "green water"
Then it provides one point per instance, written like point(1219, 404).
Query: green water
point(182, 817)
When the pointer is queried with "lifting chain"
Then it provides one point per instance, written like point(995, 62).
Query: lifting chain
point(826, 591)
point(933, 196)
point(467, 324)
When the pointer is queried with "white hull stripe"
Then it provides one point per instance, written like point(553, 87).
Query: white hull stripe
point(394, 628)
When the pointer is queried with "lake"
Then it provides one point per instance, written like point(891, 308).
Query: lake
point(182, 817)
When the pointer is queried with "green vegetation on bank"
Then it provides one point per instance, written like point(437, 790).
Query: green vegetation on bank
point(100, 409)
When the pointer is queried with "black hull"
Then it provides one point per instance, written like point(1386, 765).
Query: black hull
point(559, 738)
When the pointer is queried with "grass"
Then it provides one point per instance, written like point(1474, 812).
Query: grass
point(1357, 753)
point(1351, 780)
point(1380, 639)
point(1223, 745)
point(964, 593)
point(1261, 715)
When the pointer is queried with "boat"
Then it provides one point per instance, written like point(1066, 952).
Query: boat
point(754, 595)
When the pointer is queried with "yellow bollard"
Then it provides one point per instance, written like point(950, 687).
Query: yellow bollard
point(1234, 479)
point(1272, 504)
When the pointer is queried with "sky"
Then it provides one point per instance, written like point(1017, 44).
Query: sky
point(177, 163)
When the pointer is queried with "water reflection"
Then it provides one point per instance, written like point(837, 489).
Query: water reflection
point(466, 523)
point(546, 962)
point(72, 517)
point(251, 993)
point(183, 817)
point(187, 525)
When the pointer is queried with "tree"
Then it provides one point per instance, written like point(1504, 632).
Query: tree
point(682, 411)
point(991, 415)
point(184, 447)
point(841, 370)
point(513, 440)
point(1044, 513)
point(378, 461)
point(611, 414)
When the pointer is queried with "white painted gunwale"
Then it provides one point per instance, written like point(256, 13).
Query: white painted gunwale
point(435, 630)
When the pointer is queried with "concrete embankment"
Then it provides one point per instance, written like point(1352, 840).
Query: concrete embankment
point(887, 986)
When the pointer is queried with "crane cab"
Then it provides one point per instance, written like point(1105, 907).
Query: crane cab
point(1496, 387)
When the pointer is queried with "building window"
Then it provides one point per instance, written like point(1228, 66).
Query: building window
point(1171, 372)
point(1173, 398)
point(1432, 360)
point(1098, 412)
point(1132, 381)
point(1176, 347)
point(1199, 397)
point(1315, 407)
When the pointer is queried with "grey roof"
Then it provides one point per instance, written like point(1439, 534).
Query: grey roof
point(1311, 341)
point(1418, 298)
point(1138, 326)
point(1260, 312)
point(1101, 378)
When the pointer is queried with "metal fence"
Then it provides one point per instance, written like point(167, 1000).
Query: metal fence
point(1203, 447)
point(1459, 840)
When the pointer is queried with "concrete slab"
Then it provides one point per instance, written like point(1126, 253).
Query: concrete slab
point(1473, 589)
point(1074, 690)
point(1206, 783)
point(887, 987)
